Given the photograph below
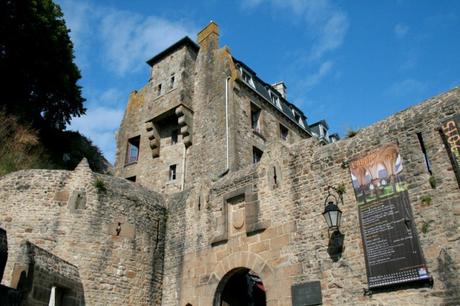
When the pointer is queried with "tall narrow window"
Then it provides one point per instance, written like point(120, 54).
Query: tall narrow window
point(425, 155)
point(284, 132)
point(174, 136)
point(255, 117)
point(132, 153)
point(172, 172)
point(256, 155)
point(159, 90)
point(171, 81)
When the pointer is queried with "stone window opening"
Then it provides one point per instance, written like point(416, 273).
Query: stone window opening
point(275, 177)
point(284, 132)
point(172, 79)
point(131, 178)
point(132, 154)
point(174, 136)
point(58, 296)
point(159, 90)
point(425, 154)
point(172, 172)
point(255, 117)
point(256, 155)
point(118, 229)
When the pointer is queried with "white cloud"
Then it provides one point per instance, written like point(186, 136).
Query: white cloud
point(313, 79)
point(401, 30)
point(324, 21)
point(129, 39)
point(406, 87)
point(125, 39)
point(100, 124)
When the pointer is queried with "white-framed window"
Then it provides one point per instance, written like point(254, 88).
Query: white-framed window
point(247, 77)
point(275, 99)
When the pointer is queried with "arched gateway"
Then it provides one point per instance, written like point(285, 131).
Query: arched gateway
point(240, 287)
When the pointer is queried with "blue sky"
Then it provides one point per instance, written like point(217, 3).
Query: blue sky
point(349, 62)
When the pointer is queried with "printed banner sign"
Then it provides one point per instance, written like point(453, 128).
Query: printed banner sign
point(451, 133)
point(391, 247)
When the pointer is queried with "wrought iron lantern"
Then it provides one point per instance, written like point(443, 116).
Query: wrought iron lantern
point(332, 213)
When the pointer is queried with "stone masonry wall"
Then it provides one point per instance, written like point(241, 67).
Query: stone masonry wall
point(291, 245)
point(270, 120)
point(110, 228)
point(146, 105)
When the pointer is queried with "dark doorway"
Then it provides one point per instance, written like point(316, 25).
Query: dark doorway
point(240, 287)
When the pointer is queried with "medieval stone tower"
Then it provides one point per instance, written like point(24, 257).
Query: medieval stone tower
point(219, 189)
point(202, 114)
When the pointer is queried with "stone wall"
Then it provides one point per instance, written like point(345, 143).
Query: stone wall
point(290, 244)
point(149, 104)
point(270, 120)
point(111, 229)
point(37, 271)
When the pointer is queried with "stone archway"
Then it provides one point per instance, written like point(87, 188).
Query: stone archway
point(240, 287)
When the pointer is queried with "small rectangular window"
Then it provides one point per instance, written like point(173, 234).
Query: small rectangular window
point(132, 153)
point(174, 136)
point(425, 155)
point(172, 172)
point(255, 117)
point(171, 81)
point(256, 155)
point(159, 90)
point(284, 132)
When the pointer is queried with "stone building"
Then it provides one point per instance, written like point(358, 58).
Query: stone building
point(217, 198)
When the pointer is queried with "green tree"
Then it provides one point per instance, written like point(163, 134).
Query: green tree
point(36, 61)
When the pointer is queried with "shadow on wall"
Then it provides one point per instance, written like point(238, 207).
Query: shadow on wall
point(448, 275)
point(39, 278)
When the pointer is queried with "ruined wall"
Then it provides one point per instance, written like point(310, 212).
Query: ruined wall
point(290, 245)
point(110, 228)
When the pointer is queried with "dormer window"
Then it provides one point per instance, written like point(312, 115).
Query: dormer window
point(247, 78)
point(275, 99)
point(298, 118)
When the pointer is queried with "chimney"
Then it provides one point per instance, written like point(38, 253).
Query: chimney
point(281, 88)
point(208, 38)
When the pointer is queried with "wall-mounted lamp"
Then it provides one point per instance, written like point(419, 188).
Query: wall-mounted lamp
point(333, 216)
point(332, 213)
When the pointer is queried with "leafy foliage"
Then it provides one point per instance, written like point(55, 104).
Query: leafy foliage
point(100, 185)
point(352, 133)
point(20, 147)
point(36, 59)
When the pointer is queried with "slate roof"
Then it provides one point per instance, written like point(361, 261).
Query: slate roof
point(182, 42)
point(263, 89)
